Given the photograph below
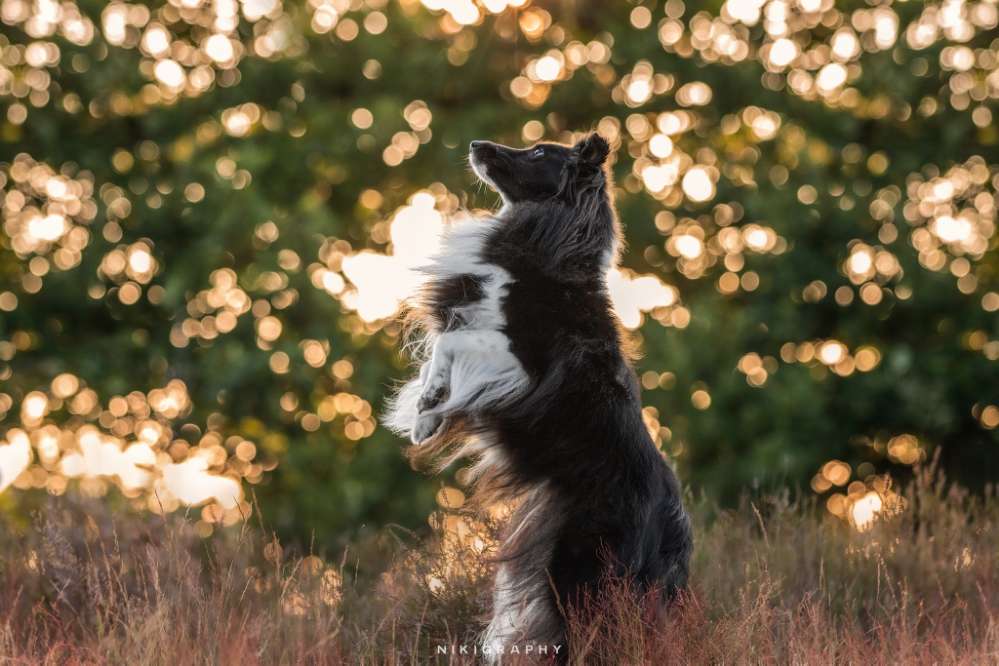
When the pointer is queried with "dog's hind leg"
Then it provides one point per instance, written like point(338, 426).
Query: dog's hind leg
point(469, 371)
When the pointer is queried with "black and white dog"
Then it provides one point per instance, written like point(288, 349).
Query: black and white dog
point(529, 377)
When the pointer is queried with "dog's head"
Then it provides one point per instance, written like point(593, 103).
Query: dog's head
point(543, 171)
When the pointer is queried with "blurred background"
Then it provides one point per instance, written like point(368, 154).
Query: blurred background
point(211, 212)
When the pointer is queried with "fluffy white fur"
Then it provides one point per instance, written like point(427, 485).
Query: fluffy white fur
point(470, 369)
point(519, 600)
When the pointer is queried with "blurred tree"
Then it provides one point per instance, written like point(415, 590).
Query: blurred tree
point(221, 195)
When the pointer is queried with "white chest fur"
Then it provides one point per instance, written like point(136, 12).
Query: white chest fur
point(472, 371)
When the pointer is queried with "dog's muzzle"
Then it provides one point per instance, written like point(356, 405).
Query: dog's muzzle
point(477, 154)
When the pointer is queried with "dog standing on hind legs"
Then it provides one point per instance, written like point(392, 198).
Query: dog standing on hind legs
point(529, 377)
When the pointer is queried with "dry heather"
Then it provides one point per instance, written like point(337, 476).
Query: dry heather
point(774, 581)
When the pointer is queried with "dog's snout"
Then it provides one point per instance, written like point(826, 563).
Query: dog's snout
point(481, 149)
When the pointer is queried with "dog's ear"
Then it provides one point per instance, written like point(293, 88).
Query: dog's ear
point(592, 150)
point(585, 169)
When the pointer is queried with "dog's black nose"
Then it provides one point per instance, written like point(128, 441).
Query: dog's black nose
point(476, 144)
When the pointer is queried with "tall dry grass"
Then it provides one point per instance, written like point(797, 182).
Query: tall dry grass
point(774, 581)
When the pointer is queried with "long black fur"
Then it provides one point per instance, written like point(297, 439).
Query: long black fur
point(576, 453)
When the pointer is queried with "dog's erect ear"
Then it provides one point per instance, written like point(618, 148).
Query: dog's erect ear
point(592, 150)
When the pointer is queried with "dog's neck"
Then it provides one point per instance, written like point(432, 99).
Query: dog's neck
point(570, 242)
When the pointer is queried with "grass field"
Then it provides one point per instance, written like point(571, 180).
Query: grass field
point(775, 581)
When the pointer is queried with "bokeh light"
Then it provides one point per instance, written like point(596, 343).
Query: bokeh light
point(808, 191)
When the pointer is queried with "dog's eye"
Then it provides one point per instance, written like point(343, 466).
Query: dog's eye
point(537, 153)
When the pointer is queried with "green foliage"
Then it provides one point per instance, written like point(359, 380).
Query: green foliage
point(303, 165)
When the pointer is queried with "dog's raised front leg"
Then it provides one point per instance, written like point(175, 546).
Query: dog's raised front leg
point(470, 371)
point(402, 412)
point(434, 378)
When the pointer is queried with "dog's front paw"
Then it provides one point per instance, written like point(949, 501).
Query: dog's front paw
point(427, 425)
point(434, 393)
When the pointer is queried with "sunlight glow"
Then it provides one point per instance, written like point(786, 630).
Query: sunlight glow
point(381, 282)
point(190, 482)
point(170, 74)
point(865, 510)
point(689, 246)
point(15, 456)
point(698, 185)
point(49, 228)
point(633, 295)
point(783, 52)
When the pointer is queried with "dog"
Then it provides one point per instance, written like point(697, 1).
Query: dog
point(530, 377)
